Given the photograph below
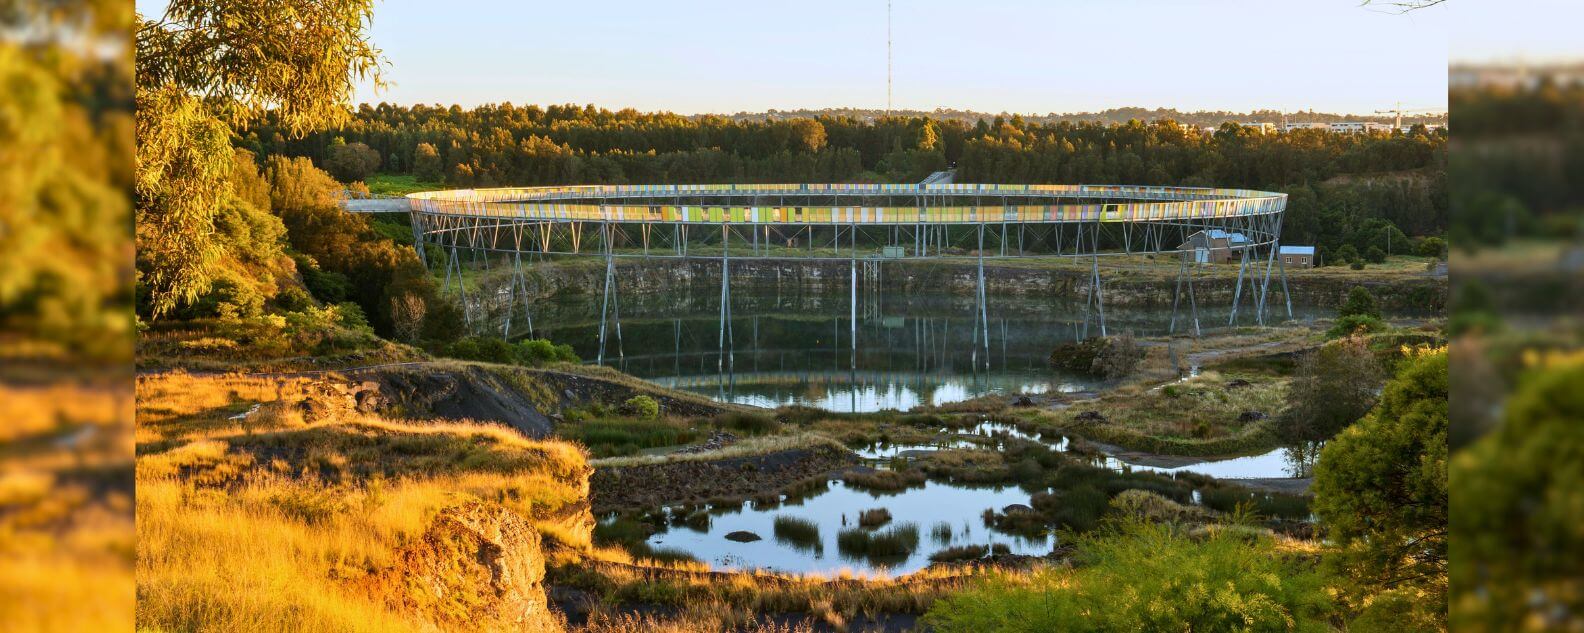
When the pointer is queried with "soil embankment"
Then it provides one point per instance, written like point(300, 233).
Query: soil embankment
point(526, 399)
point(1138, 286)
point(697, 480)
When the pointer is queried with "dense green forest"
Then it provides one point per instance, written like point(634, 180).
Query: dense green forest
point(1519, 167)
point(1364, 190)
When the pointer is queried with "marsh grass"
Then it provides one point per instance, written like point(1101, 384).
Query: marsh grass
point(1263, 504)
point(750, 446)
point(874, 517)
point(879, 547)
point(618, 437)
point(885, 480)
point(798, 532)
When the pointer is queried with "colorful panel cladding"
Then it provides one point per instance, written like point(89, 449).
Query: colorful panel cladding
point(937, 203)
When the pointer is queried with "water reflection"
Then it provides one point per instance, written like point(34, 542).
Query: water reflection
point(943, 515)
point(790, 348)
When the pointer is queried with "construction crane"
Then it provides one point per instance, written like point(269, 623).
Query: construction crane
point(1399, 110)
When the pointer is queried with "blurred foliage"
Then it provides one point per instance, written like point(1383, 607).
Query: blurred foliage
point(1520, 494)
point(65, 163)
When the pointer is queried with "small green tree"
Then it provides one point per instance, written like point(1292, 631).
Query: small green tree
point(1361, 302)
point(1346, 254)
point(1432, 247)
point(1375, 255)
point(1381, 493)
point(1332, 388)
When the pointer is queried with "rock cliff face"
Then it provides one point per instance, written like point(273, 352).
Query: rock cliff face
point(478, 567)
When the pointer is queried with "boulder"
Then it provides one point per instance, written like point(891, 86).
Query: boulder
point(478, 567)
point(1251, 416)
point(743, 536)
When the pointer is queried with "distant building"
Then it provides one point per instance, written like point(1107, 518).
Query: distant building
point(1302, 256)
point(1263, 128)
point(1429, 128)
point(1289, 127)
point(1355, 127)
point(1214, 246)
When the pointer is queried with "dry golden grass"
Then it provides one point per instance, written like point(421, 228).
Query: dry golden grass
point(66, 533)
point(261, 524)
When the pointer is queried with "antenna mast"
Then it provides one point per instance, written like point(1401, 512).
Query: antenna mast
point(888, 58)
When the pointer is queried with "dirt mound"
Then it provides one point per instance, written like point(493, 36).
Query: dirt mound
point(477, 567)
point(465, 392)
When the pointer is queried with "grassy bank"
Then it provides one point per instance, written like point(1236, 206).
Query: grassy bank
point(264, 521)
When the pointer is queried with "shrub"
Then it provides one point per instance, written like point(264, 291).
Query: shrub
point(1139, 576)
point(1375, 255)
point(1431, 247)
point(541, 351)
point(1348, 253)
point(1355, 324)
point(1359, 301)
point(1356, 265)
point(644, 407)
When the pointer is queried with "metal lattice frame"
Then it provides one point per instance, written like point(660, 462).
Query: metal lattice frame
point(858, 223)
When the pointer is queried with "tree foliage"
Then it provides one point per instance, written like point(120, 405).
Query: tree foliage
point(65, 162)
point(1381, 492)
point(1332, 388)
point(203, 69)
point(1335, 197)
point(1519, 489)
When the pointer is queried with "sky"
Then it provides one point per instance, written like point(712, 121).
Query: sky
point(1027, 56)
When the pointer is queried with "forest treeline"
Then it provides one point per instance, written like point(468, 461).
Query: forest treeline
point(1345, 188)
point(1519, 165)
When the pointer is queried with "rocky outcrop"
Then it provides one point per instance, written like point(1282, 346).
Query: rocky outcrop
point(478, 567)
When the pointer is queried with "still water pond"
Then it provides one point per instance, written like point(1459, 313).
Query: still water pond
point(940, 515)
point(781, 348)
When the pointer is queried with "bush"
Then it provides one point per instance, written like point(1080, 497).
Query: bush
point(644, 407)
point(1357, 265)
point(1139, 576)
point(1431, 247)
point(1375, 255)
point(1355, 324)
point(1347, 254)
point(1359, 301)
point(541, 351)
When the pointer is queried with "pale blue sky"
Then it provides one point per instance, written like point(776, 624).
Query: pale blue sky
point(1027, 56)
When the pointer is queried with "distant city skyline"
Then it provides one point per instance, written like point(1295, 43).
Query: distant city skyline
point(1020, 56)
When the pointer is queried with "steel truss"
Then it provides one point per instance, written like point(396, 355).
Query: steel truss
point(464, 237)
